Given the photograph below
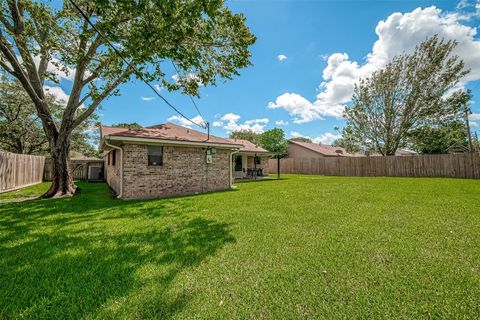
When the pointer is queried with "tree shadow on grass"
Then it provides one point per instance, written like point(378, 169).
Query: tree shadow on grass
point(66, 258)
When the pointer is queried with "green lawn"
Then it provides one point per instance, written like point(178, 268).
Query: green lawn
point(302, 247)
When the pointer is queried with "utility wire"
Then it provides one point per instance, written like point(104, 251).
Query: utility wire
point(138, 73)
point(190, 96)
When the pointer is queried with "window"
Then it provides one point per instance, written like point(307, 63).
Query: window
point(114, 157)
point(155, 156)
point(258, 160)
point(108, 158)
point(238, 163)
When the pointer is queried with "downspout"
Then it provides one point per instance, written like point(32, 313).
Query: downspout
point(231, 167)
point(120, 193)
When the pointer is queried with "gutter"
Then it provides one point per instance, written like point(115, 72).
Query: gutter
point(231, 167)
point(120, 193)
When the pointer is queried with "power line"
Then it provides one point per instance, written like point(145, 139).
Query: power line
point(190, 96)
point(138, 73)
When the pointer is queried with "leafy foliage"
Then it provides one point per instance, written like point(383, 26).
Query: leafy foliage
point(408, 94)
point(274, 141)
point(133, 125)
point(246, 135)
point(301, 139)
point(21, 130)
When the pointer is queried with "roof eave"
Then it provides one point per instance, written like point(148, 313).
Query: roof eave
point(133, 140)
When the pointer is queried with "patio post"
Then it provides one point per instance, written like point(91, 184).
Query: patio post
point(278, 166)
point(255, 166)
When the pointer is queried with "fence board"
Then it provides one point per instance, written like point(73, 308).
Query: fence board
point(19, 170)
point(465, 165)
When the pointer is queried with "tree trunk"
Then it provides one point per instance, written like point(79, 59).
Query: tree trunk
point(62, 177)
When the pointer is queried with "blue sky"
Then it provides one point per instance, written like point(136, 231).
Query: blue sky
point(315, 38)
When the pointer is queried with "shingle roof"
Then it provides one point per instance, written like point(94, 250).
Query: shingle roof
point(323, 149)
point(166, 131)
point(248, 146)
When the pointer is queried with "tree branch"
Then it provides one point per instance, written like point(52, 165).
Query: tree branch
point(108, 90)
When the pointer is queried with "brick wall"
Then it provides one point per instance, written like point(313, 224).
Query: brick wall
point(112, 173)
point(184, 171)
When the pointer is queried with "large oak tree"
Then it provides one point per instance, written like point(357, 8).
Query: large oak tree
point(203, 38)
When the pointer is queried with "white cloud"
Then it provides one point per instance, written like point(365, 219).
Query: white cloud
point(147, 98)
point(324, 56)
point(462, 4)
point(281, 123)
point(474, 124)
point(230, 123)
point(303, 110)
point(58, 93)
point(281, 57)
point(399, 33)
point(326, 138)
point(474, 116)
point(185, 123)
point(187, 78)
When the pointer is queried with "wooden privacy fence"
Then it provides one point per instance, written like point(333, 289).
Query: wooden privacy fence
point(465, 165)
point(19, 170)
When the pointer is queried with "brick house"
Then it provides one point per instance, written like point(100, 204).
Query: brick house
point(165, 160)
point(169, 159)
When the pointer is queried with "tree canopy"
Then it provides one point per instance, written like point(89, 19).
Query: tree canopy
point(133, 125)
point(301, 139)
point(249, 135)
point(274, 141)
point(413, 91)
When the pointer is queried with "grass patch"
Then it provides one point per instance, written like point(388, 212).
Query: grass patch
point(25, 193)
point(301, 247)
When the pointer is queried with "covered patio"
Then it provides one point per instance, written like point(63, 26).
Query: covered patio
point(250, 162)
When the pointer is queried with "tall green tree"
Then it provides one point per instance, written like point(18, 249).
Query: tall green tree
point(202, 38)
point(348, 141)
point(245, 135)
point(301, 139)
point(274, 141)
point(438, 134)
point(133, 125)
point(21, 129)
point(407, 94)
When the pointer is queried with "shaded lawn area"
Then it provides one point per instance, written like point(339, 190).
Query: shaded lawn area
point(302, 247)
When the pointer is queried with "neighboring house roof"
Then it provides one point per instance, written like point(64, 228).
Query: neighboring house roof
point(457, 148)
point(248, 146)
point(323, 149)
point(165, 132)
point(77, 156)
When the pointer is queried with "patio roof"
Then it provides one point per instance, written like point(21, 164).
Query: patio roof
point(248, 146)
